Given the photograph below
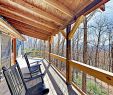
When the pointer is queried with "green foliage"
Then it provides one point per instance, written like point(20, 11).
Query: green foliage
point(78, 80)
point(95, 89)
point(26, 50)
point(92, 88)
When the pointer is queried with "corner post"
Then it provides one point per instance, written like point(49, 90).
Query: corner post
point(68, 55)
point(14, 50)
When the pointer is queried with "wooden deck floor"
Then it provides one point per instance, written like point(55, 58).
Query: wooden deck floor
point(53, 81)
point(3, 88)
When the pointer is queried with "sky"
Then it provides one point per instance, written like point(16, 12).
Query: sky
point(109, 10)
point(108, 13)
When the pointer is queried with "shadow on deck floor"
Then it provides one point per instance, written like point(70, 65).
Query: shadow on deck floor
point(58, 83)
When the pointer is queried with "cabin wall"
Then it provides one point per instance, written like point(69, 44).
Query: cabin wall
point(5, 50)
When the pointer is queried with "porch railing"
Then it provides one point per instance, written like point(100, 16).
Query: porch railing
point(101, 77)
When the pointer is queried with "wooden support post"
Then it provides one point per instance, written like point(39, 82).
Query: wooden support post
point(68, 55)
point(14, 50)
point(75, 27)
point(44, 51)
point(63, 33)
point(49, 49)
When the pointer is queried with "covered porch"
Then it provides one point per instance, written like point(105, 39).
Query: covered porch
point(43, 20)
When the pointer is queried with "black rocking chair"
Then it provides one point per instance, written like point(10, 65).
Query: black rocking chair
point(17, 84)
point(33, 69)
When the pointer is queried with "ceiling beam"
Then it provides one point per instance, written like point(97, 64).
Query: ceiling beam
point(58, 5)
point(36, 32)
point(32, 31)
point(85, 4)
point(31, 15)
point(43, 13)
point(21, 5)
point(13, 15)
point(93, 7)
point(89, 8)
point(80, 9)
point(17, 23)
point(32, 34)
point(82, 5)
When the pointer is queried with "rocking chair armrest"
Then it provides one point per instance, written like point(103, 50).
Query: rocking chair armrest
point(32, 78)
point(36, 61)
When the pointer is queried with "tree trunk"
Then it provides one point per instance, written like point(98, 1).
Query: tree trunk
point(77, 54)
point(58, 49)
point(62, 54)
point(77, 57)
point(84, 55)
point(63, 47)
point(97, 51)
point(112, 56)
point(109, 51)
point(73, 49)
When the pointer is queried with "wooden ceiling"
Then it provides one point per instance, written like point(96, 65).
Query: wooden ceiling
point(44, 18)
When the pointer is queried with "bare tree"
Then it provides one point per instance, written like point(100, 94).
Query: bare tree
point(99, 27)
point(59, 38)
point(112, 56)
point(84, 55)
point(110, 34)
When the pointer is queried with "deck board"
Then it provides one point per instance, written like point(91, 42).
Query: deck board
point(4, 88)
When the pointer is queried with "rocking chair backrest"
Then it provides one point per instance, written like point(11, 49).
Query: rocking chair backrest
point(14, 80)
point(27, 61)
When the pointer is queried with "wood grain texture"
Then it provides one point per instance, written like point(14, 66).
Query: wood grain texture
point(48, 15)
point(100, 74)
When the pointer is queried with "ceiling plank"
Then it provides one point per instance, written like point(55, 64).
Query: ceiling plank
point(58, 5)
point(32, 31)
point(17, 23)
point(18, 17)
point(43, 13)
point(32, 34)
point(32, 16)
point(21, 5)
